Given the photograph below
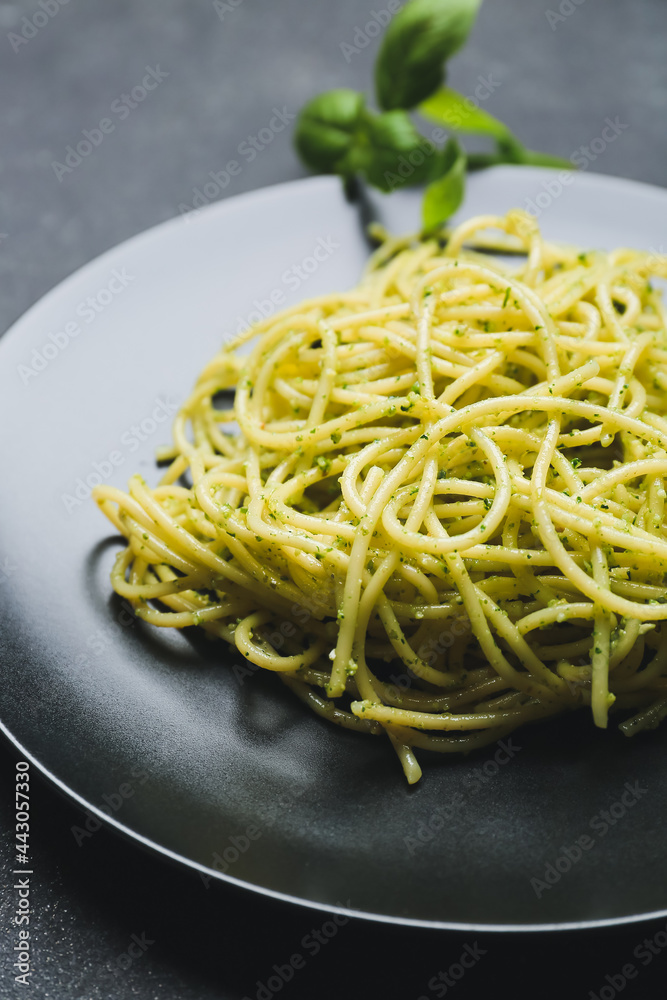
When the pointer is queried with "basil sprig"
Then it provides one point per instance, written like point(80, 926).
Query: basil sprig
point(460, 114)
point(337, 133)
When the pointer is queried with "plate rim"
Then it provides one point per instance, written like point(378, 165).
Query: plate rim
point(167, 854)
point(271, 191)
point(224, 207)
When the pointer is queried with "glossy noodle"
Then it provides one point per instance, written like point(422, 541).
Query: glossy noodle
point(434, 504)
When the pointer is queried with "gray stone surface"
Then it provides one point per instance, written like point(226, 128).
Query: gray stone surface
point(556, 85)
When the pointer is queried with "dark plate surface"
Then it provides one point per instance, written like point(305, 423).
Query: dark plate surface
point(153, 731)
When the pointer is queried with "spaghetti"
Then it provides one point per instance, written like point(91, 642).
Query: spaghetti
point(435, 504)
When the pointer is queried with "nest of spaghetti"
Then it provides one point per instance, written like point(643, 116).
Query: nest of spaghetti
point(434, 504)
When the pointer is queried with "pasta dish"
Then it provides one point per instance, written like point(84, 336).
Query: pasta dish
point(433, 504)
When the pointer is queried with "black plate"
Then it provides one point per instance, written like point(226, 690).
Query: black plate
point(223, 769)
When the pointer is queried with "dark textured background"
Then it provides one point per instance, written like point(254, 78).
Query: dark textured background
point(555, 86)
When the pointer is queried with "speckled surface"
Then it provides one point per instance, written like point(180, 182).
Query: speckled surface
point(555, 85)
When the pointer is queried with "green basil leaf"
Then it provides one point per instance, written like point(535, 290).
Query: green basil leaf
point(443, 196)
point(326, 127)
point(421, 37)
point(392, 153)
point(448, 107)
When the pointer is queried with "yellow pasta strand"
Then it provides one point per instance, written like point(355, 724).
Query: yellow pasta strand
point(436, 505)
